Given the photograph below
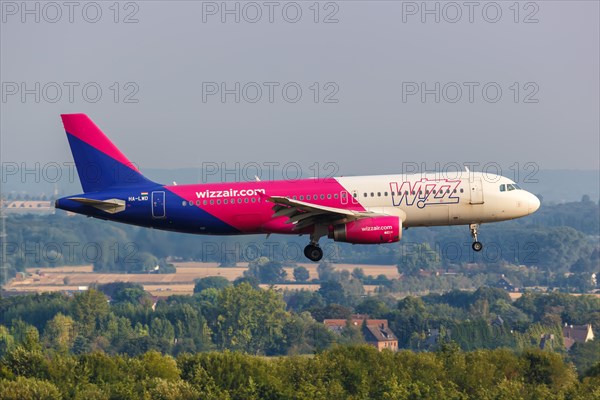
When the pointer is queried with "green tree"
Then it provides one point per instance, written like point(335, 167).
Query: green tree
point(332, 292)
point(418, 257)
point(250, 280)
point(301, 274)
point(585, 355)
point(358, 273)
point(28, 388)
point(372, 307)
point(216, 282)
point(146, 263)
point(90, 309)
point(60, 333)
point(327, 272)
point(352, 334)
point(266, 271)
point(249, 320)
point(7, 341)
point(546, 368)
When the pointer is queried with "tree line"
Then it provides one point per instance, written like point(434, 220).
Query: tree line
point(351, 372)
point(239, 316)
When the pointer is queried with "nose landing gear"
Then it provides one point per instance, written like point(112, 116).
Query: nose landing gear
point(477, 246)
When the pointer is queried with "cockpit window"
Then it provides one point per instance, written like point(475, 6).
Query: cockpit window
point(502, 187)
point(510, 187)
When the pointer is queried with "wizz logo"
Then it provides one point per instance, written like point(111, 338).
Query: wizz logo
point(425, 192)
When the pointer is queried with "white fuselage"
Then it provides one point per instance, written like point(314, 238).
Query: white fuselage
point(431, 199)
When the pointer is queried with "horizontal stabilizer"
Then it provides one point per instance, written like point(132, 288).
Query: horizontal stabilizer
point(110, 206)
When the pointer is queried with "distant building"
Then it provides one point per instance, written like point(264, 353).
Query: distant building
point(380, 335)
point(498, 321)
point(577, 334)
point(435, 336)
point(506, 284)
point(375, 331)
point(28, 206)
point(545, 339)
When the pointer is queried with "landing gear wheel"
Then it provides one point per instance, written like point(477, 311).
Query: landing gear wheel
point(477, 246)
point(313, 253)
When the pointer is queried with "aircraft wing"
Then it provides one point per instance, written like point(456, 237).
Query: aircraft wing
point(304, 214)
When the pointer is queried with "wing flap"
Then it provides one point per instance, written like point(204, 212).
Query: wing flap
point(303, 206)
point(303, 214)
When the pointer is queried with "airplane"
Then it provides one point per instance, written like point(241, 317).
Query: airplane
point(356, 209)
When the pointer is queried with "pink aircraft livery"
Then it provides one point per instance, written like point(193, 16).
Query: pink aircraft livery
point(359, 209)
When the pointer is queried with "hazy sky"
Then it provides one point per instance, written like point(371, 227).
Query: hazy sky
point(379, 87)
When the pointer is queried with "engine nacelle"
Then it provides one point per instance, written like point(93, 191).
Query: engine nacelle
point(368, 231)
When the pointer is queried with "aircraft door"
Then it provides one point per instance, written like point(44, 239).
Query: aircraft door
point(158, 204)
point(476, 191)
point(344, 197)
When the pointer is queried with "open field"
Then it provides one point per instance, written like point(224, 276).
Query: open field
point(73, 278)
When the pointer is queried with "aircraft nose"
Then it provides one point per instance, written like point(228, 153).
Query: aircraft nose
point(533, 203)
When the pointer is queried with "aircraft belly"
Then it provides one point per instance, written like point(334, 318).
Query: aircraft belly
point(430, 215)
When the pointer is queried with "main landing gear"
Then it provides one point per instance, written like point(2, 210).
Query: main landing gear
point(313, 252)
point(477, 246)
